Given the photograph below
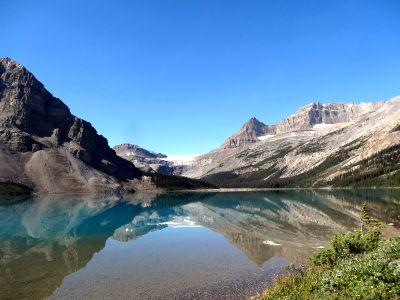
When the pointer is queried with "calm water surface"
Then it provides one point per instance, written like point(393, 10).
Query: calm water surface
point(175, 246)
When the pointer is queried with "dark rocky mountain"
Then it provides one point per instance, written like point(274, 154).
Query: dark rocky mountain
point(44, 146)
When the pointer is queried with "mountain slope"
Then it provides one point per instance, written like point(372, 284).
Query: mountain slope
point(248, 134)
point(304, 119)
point(145, 160)
point(44, 146)
point(353, 144)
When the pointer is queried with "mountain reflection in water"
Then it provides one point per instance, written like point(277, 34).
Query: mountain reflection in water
point(43, 240)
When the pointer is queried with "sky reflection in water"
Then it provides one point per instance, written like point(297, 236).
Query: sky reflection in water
point(172, 246)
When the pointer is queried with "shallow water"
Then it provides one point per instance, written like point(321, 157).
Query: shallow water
point(174, 246)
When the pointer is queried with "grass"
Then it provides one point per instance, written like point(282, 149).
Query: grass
point(357, 265)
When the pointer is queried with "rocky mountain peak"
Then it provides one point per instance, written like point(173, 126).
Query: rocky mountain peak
point(253, 120)
point(146, 160)
point(127, 149)
point(248, 134)
point(303, 119)
point(32, 120)
point(26, 104)
point(253, 124)
point(8, 63)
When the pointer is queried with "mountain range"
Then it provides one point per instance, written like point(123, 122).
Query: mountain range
point(47, 149)
point(304, 119)
point(337, 144)
point(320, 145)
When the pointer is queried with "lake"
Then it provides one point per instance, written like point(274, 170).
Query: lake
point(171, 246)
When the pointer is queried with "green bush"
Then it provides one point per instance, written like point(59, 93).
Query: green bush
point(357, 265)
point(374, 274)
point(346, 244)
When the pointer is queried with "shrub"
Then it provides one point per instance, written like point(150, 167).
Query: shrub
point(367, 221)
point(357, 265)
point(374, 274)
point(344, 245)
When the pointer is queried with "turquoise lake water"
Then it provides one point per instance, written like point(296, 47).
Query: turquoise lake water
point(172, 246)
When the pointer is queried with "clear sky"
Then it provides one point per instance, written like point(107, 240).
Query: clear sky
point(180, 76)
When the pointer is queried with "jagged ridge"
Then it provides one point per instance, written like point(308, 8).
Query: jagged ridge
point(57, 150)
point(304, 119)
point(354, 145)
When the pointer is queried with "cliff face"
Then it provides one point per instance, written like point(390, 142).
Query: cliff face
point(135, 150)
point(248, 134)
point(145, 160)
point(304, 119)
point(48, 148)
point(341, 144)
point(317, 113)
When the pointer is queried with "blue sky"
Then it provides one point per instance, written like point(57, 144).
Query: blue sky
point(180, 76)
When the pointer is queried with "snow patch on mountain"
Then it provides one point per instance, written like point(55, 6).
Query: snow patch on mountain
point(265, 137)
point(325, 128)
point(181, 159)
